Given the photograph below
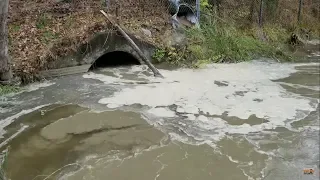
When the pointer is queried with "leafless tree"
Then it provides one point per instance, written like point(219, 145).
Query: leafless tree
point(5, 67)
point(299, 11)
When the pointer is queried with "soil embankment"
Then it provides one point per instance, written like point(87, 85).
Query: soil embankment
point(43, 34)
point(50, 34)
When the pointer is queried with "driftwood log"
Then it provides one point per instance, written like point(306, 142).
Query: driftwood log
point(134, 46)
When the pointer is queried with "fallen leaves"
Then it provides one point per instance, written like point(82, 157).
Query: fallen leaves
point(44, 30)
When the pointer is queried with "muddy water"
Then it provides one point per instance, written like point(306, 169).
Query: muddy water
point(257, 120)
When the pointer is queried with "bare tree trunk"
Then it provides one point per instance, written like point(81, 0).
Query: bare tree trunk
point(252, 10)
point(5, 68)
point(219, 2)
point(260, 13)
point(299, 11)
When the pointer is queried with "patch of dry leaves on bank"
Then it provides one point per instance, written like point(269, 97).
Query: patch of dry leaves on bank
point(44, 30)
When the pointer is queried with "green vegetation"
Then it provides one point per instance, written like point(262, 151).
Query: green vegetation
point(48, 37)
point(159, 54)
point(15, 28)
point(204, 4)
point(42, 22)
point(217, 41)
point(4, 89)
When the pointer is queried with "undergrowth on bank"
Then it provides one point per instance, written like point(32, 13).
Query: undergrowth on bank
point(217, 41)
point(6, 89)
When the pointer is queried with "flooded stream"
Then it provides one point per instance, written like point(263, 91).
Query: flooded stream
point(254, 120)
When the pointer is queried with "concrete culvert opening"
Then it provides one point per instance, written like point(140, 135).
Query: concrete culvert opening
point(115, 59)
point(186, 16)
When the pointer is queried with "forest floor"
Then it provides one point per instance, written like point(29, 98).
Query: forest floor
point(43, 30)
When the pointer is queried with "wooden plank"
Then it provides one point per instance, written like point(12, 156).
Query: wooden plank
point(65, 71)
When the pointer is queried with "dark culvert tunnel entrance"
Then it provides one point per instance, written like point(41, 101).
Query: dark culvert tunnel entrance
point(115, 59)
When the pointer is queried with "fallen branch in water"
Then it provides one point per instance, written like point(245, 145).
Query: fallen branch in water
point(134, 46)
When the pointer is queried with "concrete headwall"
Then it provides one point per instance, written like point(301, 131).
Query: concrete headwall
point(101, 44)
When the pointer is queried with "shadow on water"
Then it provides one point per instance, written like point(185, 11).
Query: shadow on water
point(306, 53)
point(58, 135)
point(29, 153)
point(115, 59)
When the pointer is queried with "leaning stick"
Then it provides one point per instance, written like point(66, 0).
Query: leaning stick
point(134, 46)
